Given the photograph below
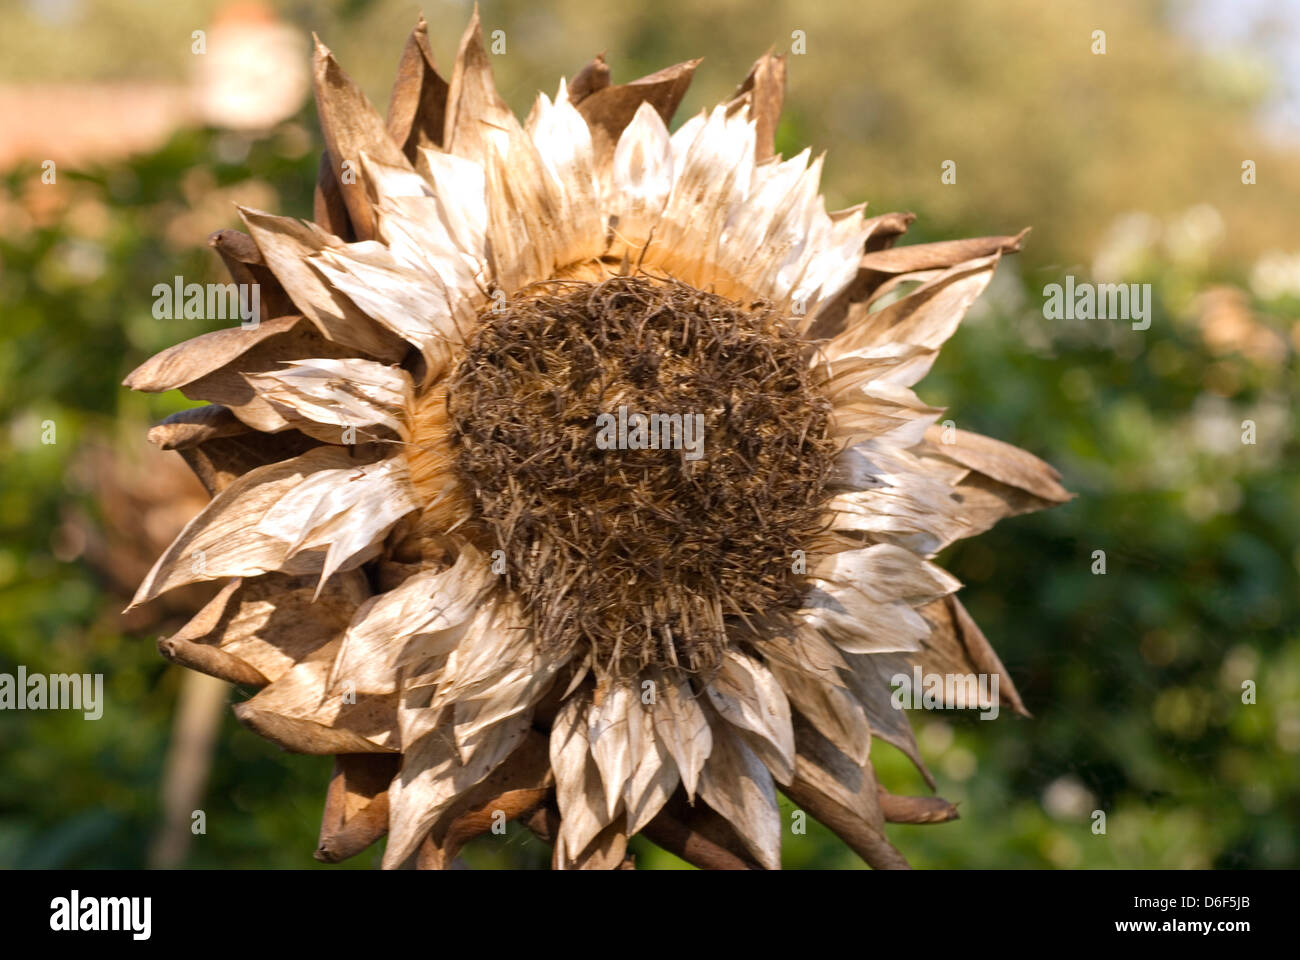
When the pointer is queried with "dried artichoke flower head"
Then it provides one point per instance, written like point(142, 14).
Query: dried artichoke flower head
point(439, 575)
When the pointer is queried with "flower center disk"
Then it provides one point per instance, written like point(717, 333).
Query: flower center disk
point(643, 540)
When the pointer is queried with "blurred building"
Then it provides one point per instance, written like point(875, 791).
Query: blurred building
point(250, 72)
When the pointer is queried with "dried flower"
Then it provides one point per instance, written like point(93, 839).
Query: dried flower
point(577, 476)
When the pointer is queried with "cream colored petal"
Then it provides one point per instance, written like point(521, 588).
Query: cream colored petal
point(418, 684)
point(806, 651)
point(746, 694)
point(833, 710)
point(422, 232)
point(927, 316)
point(523, 208)
point(737, 785)
point(711, 181)
point(652, 782)
point(915, 580)
point(904, 501)
point(859, 625)
point(415, 307)
point(834, 263)
point(924, 519)
point(503, 676)
point(346, 510)
point(287, 245)
point(885, 363)
point(794, 240)
point(384, 181)
point(335, 394)
point(460, 189)
point(882, 411)
point(864, 599)
point(838, 379)
point(419, 239)
point(887, 572)
point(493, 644)
point(615, 735)
point(682, 728)
point(271, 622)
point(514, 689)
point(225, 541)
point(299, 713)
point(433, 777)
point(641, 178)
point(683, 139)
point(578, 790)
point(772, 223)
point(564, 146)
point(424, 608)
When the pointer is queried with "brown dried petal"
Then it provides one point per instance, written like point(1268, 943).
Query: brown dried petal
point(763, 92)
point(417, 108)
point(1003, 462)
point(607, 852)
point(272, 622)
point(356, 805)
point(903, 809)
point(609, 110)
point(351, 125)
point(868, 678)
point(843, 796)
point(475, 111)
point(287, 245)
point(592, 77)
point(956, 645)
point(513, 791)
point(691, 845)
point(299, 714)
point(189, 428)
point(200, 356)
point(329, 210)
point(244, 262)
point(221, 460)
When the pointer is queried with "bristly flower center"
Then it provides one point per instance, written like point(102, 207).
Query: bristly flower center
point(648, 457)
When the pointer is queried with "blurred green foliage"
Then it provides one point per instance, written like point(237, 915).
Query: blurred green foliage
point(1134, 677)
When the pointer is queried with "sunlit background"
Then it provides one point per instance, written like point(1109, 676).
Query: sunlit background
point(1129, 167)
